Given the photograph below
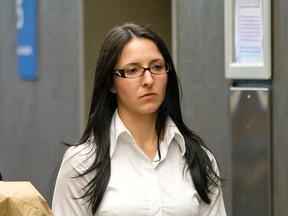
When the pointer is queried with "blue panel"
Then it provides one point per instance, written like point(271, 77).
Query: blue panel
point(26, 51)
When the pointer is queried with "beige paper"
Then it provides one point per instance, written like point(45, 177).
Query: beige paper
point(22, 199)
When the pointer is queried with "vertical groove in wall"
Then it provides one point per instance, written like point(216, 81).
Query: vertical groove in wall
point(82, 118)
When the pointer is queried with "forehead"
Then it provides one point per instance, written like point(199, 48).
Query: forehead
point(139, 50)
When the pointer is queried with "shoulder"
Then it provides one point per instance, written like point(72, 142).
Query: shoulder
point(78, 158)
point(69, 186)
point(212, 159)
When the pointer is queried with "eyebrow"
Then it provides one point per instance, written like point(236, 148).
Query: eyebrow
point(137, 63)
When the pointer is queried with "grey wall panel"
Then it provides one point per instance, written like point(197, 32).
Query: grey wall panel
point(200, 63)
point(280, 107)
point(36, 115)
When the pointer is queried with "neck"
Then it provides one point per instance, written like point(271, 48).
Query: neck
point(143, 131)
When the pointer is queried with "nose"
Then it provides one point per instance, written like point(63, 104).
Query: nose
point(145, 69)
point(147, 77)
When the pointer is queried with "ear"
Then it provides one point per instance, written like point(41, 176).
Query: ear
point(113, 89)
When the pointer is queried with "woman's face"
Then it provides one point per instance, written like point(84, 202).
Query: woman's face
point(145, 94)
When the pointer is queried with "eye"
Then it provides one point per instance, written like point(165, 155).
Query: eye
point(132, 70)
point(158, 67)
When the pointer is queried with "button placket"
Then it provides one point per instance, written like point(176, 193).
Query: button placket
point(152, 188)
point(153, 191)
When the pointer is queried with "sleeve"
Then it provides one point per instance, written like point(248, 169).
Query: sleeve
point(69, 187)
point(216, 207)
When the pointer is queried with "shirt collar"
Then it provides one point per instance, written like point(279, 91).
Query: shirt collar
point(172, 132)
point(118, 128)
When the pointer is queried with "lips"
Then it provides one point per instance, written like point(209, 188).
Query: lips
point(148, 95)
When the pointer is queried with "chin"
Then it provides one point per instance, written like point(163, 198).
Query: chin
point(152, 110)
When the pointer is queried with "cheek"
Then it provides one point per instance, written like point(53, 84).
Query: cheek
point(123, 89)
point(164, 84)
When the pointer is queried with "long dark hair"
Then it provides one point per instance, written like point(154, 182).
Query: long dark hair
point(104, 104)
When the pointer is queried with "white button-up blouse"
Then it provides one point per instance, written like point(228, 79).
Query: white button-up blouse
point(137, 186)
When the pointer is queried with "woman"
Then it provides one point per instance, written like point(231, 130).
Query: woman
point(136, 156)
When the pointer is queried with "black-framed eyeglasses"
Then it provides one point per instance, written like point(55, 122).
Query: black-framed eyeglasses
point(135, 71)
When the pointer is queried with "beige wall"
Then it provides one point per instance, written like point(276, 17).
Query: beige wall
point(100, 16)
